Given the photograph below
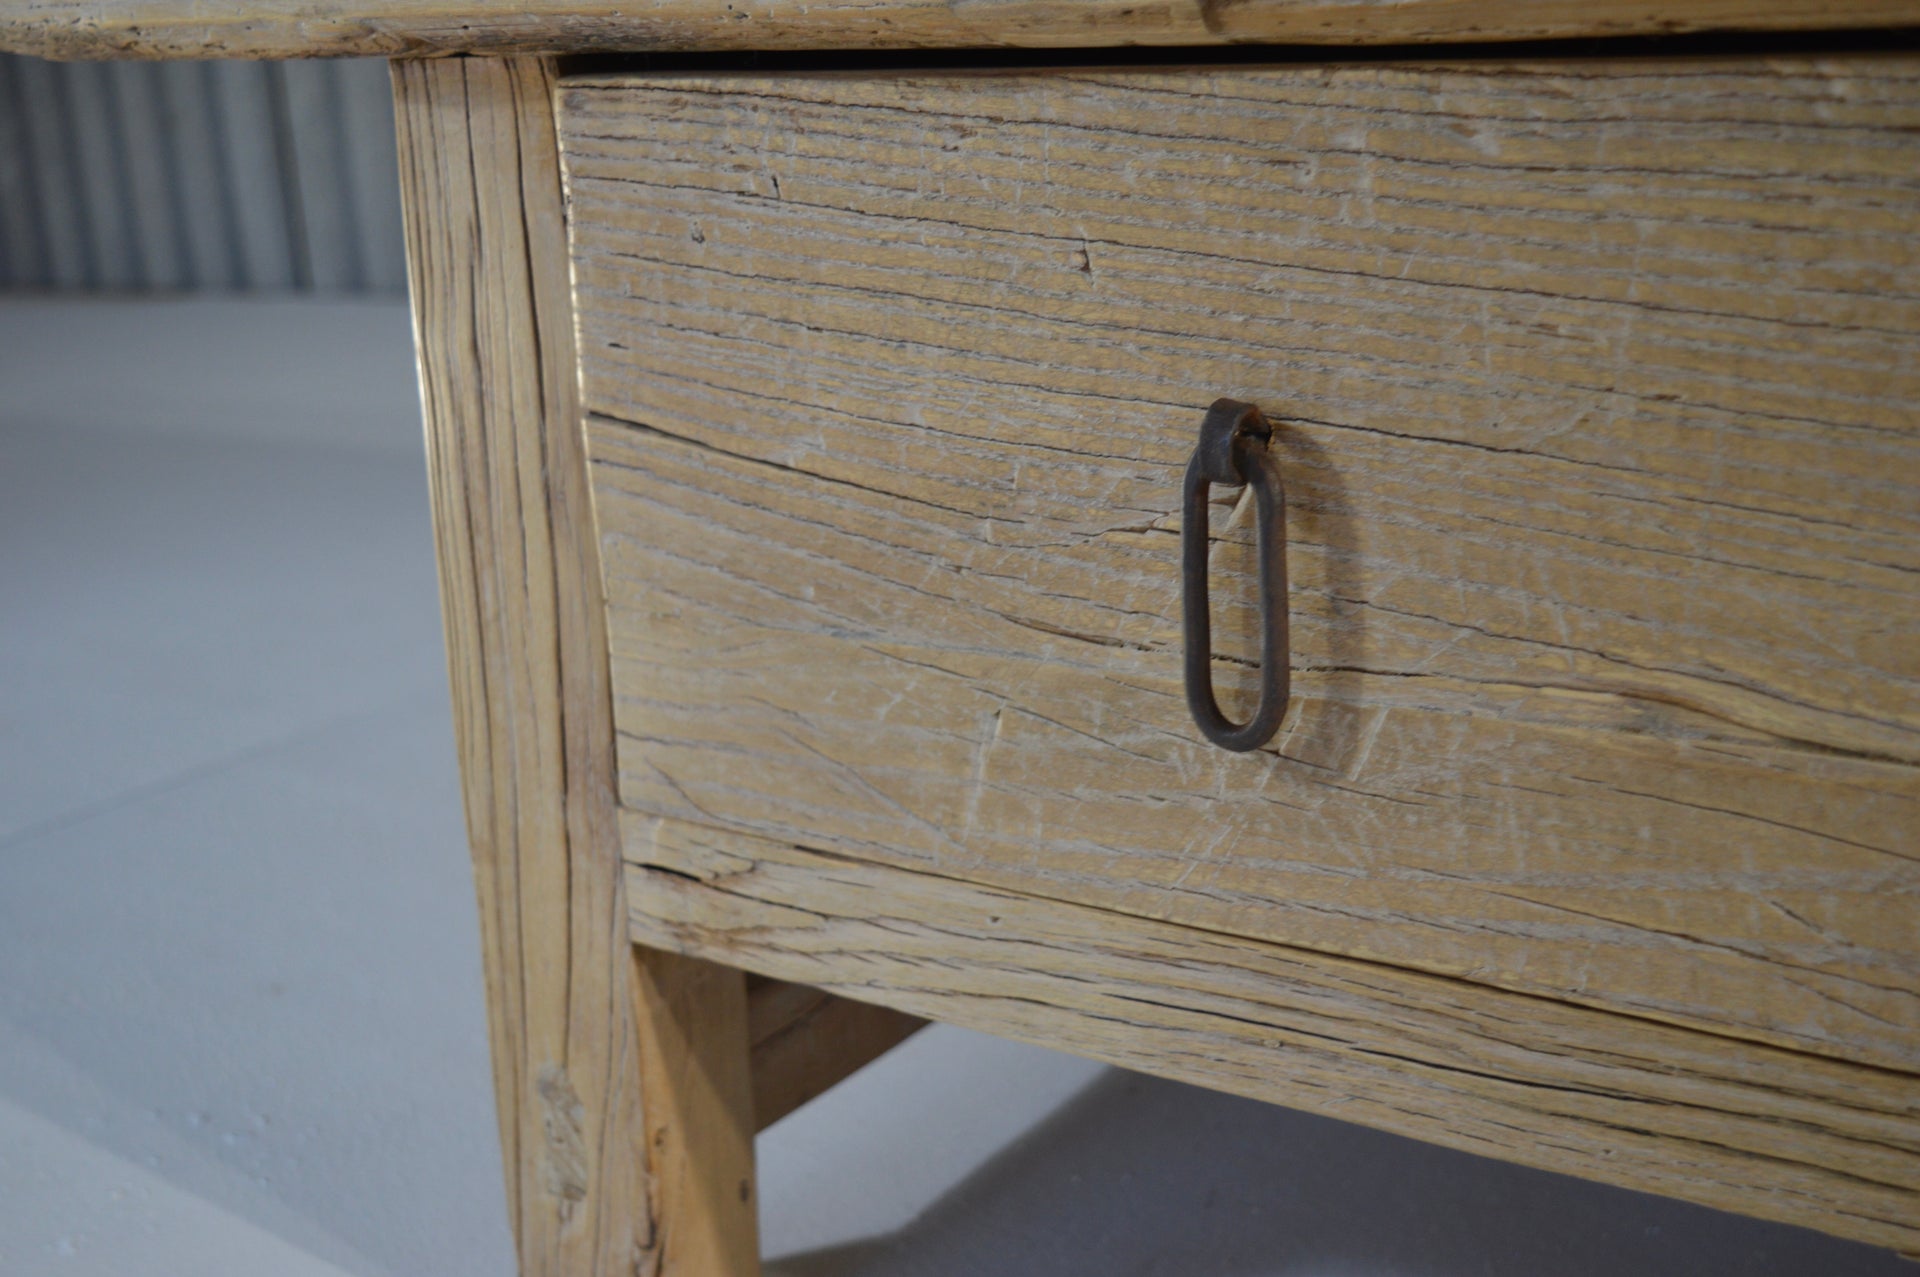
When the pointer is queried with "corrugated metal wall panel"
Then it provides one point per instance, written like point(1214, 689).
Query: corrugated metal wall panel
point(253, 174)
point(19, 233)
point(100, 171)
point(326, 212)
point(218, 175)
point(57, 258)
point(373, 172)
point(158, 238)
point(198, 183)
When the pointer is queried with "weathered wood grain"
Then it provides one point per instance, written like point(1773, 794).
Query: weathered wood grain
point(1596, 390)
point(607, 1060)
point(698, 1108)
point(386, 28)
point(806, 1040)
point(1742, 1127)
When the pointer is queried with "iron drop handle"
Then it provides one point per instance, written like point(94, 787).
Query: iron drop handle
point(1233, 450)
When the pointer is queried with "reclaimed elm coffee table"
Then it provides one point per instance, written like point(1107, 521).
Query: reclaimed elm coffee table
point(808, 444)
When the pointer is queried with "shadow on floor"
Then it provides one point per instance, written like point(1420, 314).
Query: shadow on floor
point(1140, 1177)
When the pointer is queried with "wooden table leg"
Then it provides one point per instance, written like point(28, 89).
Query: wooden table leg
point(624, 1095)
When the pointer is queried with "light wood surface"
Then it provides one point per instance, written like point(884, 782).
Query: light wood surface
point(603, 1056)
point(1690, 1115)
point(405, 28)
point(806, 1040)
point(698, 1110)
point(1594, 387)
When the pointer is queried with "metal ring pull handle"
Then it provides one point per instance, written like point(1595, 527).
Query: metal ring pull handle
point(1233, 450)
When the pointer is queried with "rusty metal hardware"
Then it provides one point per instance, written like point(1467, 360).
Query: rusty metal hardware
point(1233, 450)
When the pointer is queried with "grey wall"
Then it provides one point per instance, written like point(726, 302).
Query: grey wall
point(138, 176)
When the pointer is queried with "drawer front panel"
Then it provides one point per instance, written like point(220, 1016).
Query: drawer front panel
point(1594, 388)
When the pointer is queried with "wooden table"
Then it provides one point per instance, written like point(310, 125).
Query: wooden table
point(807, 441)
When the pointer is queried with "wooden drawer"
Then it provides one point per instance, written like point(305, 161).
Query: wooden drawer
point(1594, 389)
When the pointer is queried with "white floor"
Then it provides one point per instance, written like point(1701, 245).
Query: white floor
point(241, 1028)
